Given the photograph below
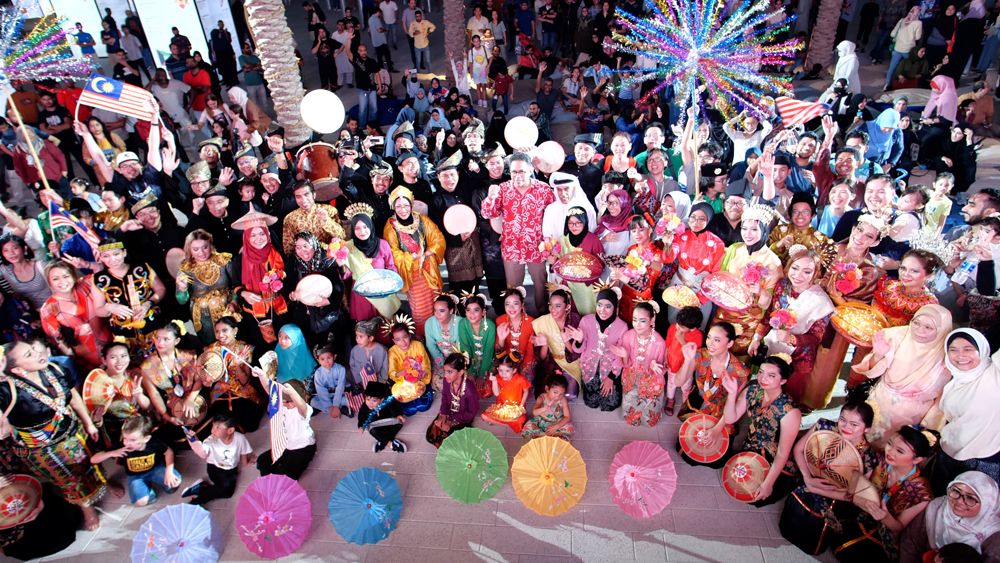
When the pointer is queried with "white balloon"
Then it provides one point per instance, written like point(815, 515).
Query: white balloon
point(322, 111)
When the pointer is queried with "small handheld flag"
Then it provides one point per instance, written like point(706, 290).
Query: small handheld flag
point(278, 440)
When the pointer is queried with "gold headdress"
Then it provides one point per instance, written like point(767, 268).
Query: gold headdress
point(451, 296)
point(119, 339)
point(519, 290)
point(180, 326)
point(758, 212)
point(400, 319)
point(552, 287)
point(650, 302)
point(468, 295)
point(933, 243)
point(879, 223)
point(110, 246)
point(359, 209)
point(601, 286)
point(456, 349)
point(400, 191)
point(783, 356)
point(931, 438)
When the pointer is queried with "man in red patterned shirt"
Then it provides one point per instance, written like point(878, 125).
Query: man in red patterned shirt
point(521, 203)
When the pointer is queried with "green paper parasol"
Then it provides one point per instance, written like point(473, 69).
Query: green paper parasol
point(471, 465)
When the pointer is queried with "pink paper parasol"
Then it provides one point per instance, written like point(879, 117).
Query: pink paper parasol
point(642, 479)
point(273, 516)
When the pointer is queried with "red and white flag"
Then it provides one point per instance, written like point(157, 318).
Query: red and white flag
point(796, 112)
point(112, 95)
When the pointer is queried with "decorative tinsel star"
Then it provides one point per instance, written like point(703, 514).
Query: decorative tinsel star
point(43, 53)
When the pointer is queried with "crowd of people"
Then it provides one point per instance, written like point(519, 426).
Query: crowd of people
point(190, 250)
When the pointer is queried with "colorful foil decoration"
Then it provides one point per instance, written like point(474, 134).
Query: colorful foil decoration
point(692, 45)
point(44, 53)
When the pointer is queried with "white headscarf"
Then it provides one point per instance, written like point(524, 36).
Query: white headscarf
point(239, 95)
point(969, 404)
point(554, 219)
point(847, 66)
point(682, 204)
point(944, 527)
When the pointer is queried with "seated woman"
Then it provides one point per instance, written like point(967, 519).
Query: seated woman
point(817, 509)
point(903, 494)
point(967, 515)
point(441, 332)
point(206, 283)
point(798, 292)
point(514, 330)
point(129, 399)
point(477, 337)
point(295, 360)
point(908, 363)
point(328, 313)
point(958, 156)
point(169, 377)
point(48, 529)
point(969, 440)
point(459, 401)
point(236, 392)
point(600, 368)
point(553, 342)
point(74, 317)
point(643, 353)
point(774, 425)
point(703, 371)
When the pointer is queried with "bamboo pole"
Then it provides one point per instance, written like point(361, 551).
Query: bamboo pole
point(34, 154)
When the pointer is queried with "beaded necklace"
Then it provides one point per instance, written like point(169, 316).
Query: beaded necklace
point(55, 402)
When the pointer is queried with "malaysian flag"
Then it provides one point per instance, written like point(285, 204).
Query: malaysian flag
point(367, 375)
point(278, 440)
point(59, 217)
point(112, 95)
point(796, 112)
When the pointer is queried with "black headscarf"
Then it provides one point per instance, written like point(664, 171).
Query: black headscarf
point(369, 246)
point(764, 232)
point(709, 213)
point(446, 150)
point(320, 261)
point(580, 213)
point(611, 296)
point(494, 133)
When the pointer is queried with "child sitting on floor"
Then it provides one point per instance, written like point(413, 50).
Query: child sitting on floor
point(382, 417)
point(685, 329)
point(224, 451)
point(551, 417)
point(368, 350)
point(330, 380)
point(510, 387)
point(300, 441)
point(402, 329)
point(147, 460)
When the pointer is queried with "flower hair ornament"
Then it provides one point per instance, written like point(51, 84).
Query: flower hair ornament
point(518, 290)
point(650, 302)
point(879, 223)
point(180, 326)
point(796, 248)
point(466, 296)
point(553, 287)
point(575, 210)
point(784, 357)
point(119, 339)
point(931, 438)
point(601, 286)
point(400, 319)
point(359, 209)
point(451, 296)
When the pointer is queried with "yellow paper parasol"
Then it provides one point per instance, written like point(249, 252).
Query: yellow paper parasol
point(549, 475)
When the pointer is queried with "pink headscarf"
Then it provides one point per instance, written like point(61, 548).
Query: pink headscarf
point(943, 97)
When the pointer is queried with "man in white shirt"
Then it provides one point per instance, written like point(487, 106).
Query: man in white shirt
point(133, 51)
point(171, 95)
point(389, 9)
point(477, 23)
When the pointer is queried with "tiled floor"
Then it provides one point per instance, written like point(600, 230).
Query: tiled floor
point(702, 522)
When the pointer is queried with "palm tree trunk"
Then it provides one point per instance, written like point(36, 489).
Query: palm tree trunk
point(821, 44)
point(454, 32)
point(266, 19)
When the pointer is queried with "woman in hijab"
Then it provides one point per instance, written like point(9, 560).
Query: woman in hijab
point(905, 36)
point(967, 515)
point(295, 361)
point(599, 333)
point(913, 71)
point(754, 262)
point(450, 145)
point(613, 227)
point(437, 121)
point(312, 259)
point(258, 259)
point(939, 115)
point(969, 440)
point(257, 121)
point(958, 156)
point(418, 249)
point(910, 362)
point(494, 133)
point(698, 253)
point(968, 38)
point(847, 66)
point(366, 251)
point(421, 104)
point(569, 194)
point(885, 140)
point(942, 37)
point(405, 114)
point(576, 237)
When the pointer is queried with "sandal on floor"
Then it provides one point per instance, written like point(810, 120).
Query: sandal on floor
point(669, 408)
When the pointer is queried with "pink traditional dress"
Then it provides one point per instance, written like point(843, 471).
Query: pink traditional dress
point(598, 362)
point(743, 265)
point(363, 308)
point(642, 386)
point(76, 324)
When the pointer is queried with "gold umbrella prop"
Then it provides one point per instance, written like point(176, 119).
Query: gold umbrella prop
point(549, 476)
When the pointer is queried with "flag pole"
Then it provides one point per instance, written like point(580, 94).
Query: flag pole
point(34, 153)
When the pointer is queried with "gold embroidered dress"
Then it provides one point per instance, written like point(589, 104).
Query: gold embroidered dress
point(209, 291)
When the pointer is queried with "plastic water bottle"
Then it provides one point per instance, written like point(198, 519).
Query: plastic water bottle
point(962, 274)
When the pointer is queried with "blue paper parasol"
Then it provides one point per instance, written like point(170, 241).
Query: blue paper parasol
point(182, 533)
point(366, 506)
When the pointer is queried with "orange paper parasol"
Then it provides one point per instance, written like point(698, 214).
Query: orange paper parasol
point(549, 475)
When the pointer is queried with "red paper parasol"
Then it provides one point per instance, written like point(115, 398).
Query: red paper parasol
point(642, 479)
point(273, 516)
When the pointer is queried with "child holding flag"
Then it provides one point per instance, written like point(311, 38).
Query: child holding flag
point(225, 450)
point(293, 444)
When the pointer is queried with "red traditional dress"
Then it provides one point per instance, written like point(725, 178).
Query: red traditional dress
point(897, 305)
point(76, 324)
point(640, 275)
point(520, 340)
point(697, 255)
point(522, 219)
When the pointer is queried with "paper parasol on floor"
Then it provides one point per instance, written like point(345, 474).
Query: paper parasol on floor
point(182, 533)
point(273, 516)
point(365, 506)
point(642, 479)
point(549, 476)
point(471, 465)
